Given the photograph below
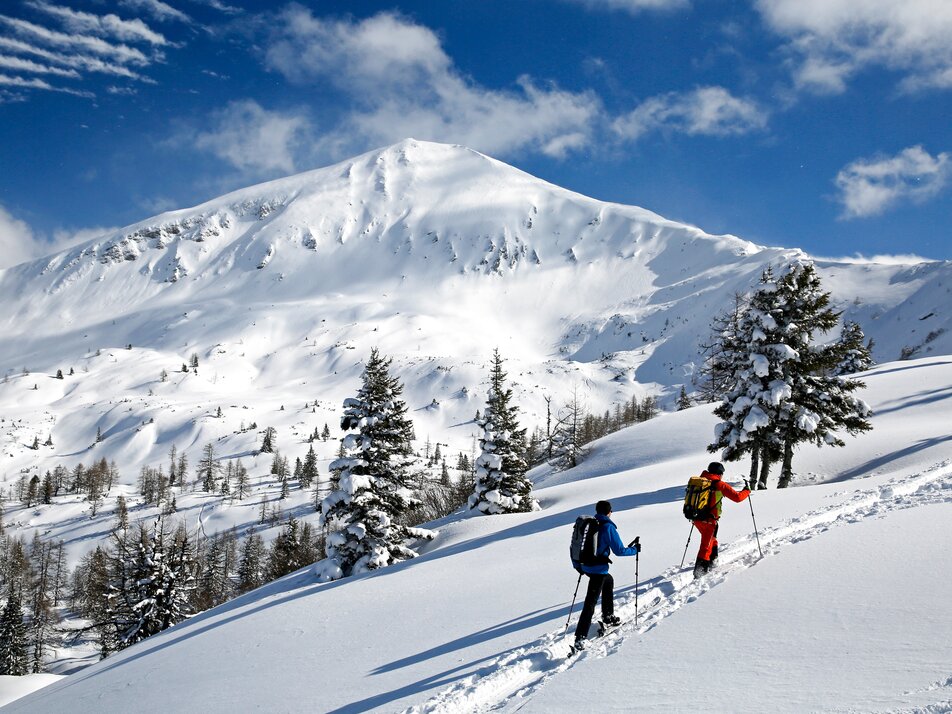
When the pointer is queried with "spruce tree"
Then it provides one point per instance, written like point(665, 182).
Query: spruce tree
point(373, 487)
point(251, 567)
point(784, 390)
point(13, 656)
point(752, 353)
point(501, 485)
point(152, 582)
point(684, 401)
point(241, 480)
point(854, 353)
point(208, 468)
point(267, 442)
point(309, 468)
point(820, 403)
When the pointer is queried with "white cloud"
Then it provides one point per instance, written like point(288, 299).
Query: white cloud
point(833, 39)
point(18, 64)
point(634, 6)
point(17, 242)
point(252, 138)
point(101, 25)
point(118, 52)
point(221, 6)
point(24, 83)
point(81, 62)
point(709, 111)
point(157, 9)
point(868, 187)
point(400, 82)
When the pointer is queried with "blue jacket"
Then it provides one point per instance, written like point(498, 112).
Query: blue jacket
point(607, 539)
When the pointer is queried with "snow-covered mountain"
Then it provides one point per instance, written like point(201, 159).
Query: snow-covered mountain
point(845, 611)
point(435, 254)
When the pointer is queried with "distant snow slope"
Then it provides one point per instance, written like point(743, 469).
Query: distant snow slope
point(845, 612)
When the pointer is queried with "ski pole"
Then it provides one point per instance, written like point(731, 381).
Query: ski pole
point(573, 602)
point(686, 545)
point(637, 558)
point(751, 503)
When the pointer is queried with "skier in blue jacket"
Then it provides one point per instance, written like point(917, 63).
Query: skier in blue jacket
point(600, 581)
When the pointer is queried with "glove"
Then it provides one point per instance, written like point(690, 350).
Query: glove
point(636, 545)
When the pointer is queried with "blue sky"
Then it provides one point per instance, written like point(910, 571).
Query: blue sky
point(821, 124)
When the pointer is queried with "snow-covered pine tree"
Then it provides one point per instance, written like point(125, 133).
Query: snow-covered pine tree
point(714, 378)
point(752, 354)
point(784, 392)
point(820, 403)
point(501, 485)
point(684, 401)
point(208, 468)
point(13, 655)
point(267, 442)
point(372, 489)
point(152, 579)
point(308, 468)
point(251, 568)
point(854, 352)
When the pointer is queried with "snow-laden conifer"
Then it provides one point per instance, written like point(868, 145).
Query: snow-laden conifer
point(854, 352)
point(373, 488)
point(782, 389)
point(752, 356)
point(152, 579)
point(13, 657)
point(821, 403)
point(501, 485)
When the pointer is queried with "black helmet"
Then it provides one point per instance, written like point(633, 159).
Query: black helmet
point(715, 467)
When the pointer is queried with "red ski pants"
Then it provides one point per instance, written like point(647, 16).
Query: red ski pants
point(708, 531)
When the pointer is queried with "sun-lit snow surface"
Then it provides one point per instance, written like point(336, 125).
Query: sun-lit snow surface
point(846, 611)
point(436, 254)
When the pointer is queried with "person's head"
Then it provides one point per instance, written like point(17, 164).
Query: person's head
point(603, 508)
point(715, 467)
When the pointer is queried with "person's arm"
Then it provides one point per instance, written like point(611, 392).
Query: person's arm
point(618, 548)
point(733, 495)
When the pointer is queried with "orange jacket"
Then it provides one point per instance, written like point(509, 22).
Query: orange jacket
point(725, 489)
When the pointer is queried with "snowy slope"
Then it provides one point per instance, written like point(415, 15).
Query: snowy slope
point(845, 611)
point(434, 253)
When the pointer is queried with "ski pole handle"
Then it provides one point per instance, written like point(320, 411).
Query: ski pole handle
point(636, 541)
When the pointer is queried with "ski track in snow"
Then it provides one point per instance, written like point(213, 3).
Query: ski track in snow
point(506, 683)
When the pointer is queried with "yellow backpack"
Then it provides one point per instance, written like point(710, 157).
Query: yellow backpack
point(701, 499)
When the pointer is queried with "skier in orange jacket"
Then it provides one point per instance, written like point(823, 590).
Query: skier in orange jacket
point(707, 553)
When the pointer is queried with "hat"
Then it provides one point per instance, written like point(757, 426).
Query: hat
point(715, 467)
point(603, 508)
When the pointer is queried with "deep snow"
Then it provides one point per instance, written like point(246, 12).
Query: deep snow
point(844, 613)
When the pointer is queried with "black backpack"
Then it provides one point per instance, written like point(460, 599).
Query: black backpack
point(583, 546)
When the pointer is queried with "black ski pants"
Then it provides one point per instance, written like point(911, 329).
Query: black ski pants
point(603, 585)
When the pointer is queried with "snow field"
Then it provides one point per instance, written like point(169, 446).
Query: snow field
point(475, 623)
point(504, 684)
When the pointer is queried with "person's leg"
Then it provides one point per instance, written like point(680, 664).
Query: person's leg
point(703, 562)
point(608, 596)
point(714, 543)
point(706, 530)
point(588, 608)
